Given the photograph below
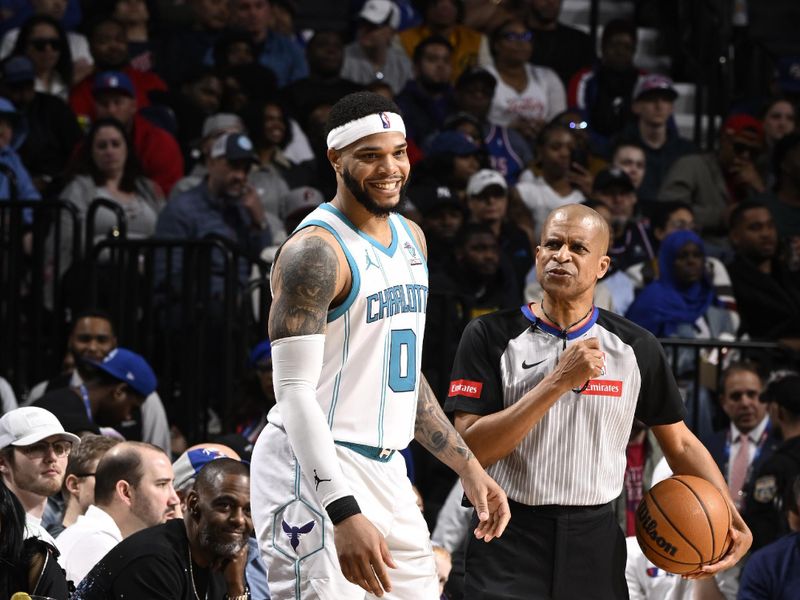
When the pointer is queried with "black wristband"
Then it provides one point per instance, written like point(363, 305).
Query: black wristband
point(340, 509)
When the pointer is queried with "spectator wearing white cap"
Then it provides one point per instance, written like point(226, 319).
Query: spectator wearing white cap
point(487, 203)
point(373, 55)
point(34, 449)
point(655, 131)
point(213, 127)
point(133, 491)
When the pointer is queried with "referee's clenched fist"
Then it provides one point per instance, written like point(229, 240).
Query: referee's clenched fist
point(581, 362)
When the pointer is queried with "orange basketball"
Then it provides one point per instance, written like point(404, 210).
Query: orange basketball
point(682, 524)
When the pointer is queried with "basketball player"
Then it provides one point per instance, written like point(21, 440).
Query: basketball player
point(346, 324)
point(546, 396)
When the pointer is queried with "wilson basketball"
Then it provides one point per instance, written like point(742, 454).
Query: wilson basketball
point(682, 524)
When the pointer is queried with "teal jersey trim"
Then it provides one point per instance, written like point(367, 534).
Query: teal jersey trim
point(404, 223)
point(388, 250)
point(355, 285)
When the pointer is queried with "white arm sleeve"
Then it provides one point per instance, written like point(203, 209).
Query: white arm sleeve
point(296, 367)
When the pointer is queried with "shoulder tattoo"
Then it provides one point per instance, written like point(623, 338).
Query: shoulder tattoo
point(304, 284)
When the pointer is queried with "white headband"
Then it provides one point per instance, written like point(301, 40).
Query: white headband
point(383, 122)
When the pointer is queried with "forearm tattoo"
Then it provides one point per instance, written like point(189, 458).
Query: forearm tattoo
point(435, 432)
point(304, 286)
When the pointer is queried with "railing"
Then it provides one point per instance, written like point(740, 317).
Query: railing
point(32, 309)
point(704, 371)
point(186, 307)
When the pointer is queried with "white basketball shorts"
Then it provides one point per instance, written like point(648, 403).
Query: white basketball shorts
point(296, 536)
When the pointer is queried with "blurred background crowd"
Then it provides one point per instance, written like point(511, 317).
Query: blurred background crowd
point(154, 154)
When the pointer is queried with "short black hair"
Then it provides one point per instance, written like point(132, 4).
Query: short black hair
point(357, 105)
point(209, 476)
point(92, 313)
point(431, 40)
point(123, 463)
point(662, 211)
point(549, 130)
point(737, 215)
point(617, 27)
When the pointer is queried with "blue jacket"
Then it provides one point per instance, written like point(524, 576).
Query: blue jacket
point(773, 573)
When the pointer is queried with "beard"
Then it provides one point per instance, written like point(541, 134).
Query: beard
point(208, 538)
point(364, 199)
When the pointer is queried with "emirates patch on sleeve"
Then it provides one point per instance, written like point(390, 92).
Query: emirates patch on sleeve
point(603, 387)
point(470, 389)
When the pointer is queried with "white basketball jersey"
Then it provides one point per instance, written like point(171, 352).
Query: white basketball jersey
point(373, 340)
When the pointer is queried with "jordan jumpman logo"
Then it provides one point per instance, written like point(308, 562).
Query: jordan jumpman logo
point(317, 480)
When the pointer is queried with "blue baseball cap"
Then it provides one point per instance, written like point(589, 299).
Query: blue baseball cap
point(113, 81)
point(129, 367)
point(188, 465)
point(452, 142)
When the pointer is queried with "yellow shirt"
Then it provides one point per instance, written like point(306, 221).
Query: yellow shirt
point(466, 44)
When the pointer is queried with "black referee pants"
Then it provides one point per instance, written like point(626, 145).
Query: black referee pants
point(550, 553)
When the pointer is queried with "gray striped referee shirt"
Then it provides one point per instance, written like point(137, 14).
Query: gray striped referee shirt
point(575, 456)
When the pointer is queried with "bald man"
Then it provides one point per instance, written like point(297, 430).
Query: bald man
point(545, 396)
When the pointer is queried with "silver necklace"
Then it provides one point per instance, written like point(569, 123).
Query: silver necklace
point(191, 575)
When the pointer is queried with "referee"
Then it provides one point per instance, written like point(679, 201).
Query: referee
point(545, 396)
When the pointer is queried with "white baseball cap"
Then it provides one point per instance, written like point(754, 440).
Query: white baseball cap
point(30, 424)
point(483, 179)
point(381, 12)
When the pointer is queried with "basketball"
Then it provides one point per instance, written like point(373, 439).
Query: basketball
point(682, 524)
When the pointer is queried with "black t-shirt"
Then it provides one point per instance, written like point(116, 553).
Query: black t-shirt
point(575, 455)
point(152, 564)
point(68, 407)
point(770, 494)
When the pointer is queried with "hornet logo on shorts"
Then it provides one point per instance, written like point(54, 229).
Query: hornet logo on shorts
point(385, 120)
point(294, 533)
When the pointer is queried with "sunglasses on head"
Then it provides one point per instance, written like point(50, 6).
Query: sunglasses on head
point(40, 44)
point(513, 36)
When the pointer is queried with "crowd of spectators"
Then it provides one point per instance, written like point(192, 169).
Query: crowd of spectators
point(207, 117)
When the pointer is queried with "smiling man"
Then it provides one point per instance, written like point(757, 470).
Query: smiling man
point(202, 555)
point(346, 323)
point(545, 396)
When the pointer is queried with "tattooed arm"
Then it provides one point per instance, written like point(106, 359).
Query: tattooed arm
point(306, 279)
point(434, 431)
point(310, 275)
point(437, 435)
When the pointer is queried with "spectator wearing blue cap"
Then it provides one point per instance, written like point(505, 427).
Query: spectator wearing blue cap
point(156, 150)
point(48, 130)
point(15, 181)
point(109, 47)
point(118, 384)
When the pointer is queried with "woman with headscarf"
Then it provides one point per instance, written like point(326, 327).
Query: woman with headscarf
point(681, 303)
